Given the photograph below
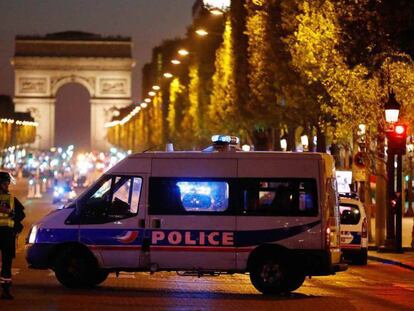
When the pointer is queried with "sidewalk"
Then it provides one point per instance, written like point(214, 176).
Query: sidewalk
point(407, 229)
point(404, 260)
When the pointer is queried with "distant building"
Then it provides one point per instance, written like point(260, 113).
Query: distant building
point(44, 64)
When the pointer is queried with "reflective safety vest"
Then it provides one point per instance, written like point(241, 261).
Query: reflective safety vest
point(6, 219)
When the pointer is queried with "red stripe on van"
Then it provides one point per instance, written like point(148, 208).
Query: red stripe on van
point(172, 248)
point(114, 247)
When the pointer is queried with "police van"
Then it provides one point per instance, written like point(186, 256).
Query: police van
point(273, 215)
point(354, 229)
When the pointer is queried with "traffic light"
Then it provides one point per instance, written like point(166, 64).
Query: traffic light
point(397, 138)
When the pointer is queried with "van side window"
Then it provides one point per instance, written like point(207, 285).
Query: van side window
point(201, 196)
point(113, 198)
point(280, 197)
point(188, 196)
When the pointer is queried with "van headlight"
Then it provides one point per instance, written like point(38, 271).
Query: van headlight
point(33, 234)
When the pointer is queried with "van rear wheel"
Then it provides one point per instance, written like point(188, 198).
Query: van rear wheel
point(77, 268)
point(273, 276)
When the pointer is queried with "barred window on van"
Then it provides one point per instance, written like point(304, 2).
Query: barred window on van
point(181, 196)
point(204, 196)
point(284, 197)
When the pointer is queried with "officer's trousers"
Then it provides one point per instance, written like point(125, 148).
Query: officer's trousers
point(7, 248)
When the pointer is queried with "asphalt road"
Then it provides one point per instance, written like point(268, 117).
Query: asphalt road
point(374, 287)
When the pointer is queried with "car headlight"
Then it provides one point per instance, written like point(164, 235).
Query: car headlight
point(33, 234)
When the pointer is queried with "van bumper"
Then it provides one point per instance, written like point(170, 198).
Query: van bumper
point(38, 255)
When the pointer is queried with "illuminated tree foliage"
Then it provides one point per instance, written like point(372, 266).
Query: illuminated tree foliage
point(174, 109)
point(286, 67)
point(222, 113)
point(357, 90)
point(191, 120)
point(263, 97)
point(155, 121)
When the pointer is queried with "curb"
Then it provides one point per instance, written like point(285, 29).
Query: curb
point(405, 249)
point(391, 262)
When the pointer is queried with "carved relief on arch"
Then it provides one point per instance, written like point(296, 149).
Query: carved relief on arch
point(57, 82)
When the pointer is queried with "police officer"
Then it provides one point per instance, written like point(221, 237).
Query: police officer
point(11, 216)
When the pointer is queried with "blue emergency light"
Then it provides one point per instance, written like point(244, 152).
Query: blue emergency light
point(225, 140)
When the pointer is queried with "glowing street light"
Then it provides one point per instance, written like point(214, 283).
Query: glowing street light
point(151, 93)
point(305, 142)
point(183, 52)
point(246, 147)
point(175, 62)
point(201, 32)
point(144, 105)
point(156, 87)
point(283, 144)
point(392, 108)
point(168, 75)
point(216, 12)
point(147, 100)
point(221, 5)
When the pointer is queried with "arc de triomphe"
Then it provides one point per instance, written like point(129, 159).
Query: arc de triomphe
point(43, 64)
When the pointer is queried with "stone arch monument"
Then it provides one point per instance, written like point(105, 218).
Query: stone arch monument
point(43, 64)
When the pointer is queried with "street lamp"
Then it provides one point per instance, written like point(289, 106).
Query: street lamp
point(151, 93)
point(167, 75)
point(144, 105)
point(183, 52)
point(395, 138)
point(392, 108)
point(175, 62)
point(201, 32)
point(156, 87)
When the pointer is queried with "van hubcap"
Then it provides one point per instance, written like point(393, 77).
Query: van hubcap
point(271, 273)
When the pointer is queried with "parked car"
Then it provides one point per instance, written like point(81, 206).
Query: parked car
point(354, 230)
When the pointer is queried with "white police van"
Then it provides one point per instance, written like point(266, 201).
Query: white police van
point(354, 229)
point(272, 214)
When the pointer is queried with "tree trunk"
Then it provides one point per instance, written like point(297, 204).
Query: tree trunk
point(335, 153)
point(321, 140)
point(291, 141)
point(276, 139)
point(262, 139)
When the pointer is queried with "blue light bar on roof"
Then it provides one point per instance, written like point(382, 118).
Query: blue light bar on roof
point(225, 139)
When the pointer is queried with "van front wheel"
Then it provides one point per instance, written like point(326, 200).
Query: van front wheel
point(76, 268)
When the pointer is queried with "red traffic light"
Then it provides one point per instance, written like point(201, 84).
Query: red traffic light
point(397, 136)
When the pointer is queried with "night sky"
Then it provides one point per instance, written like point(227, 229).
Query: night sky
point(148, 22)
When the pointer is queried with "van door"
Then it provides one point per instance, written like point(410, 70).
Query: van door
point(111, 223)
point(191, 224)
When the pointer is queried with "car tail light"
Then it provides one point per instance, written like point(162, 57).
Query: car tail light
point(364, 228)
point(328, 233)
